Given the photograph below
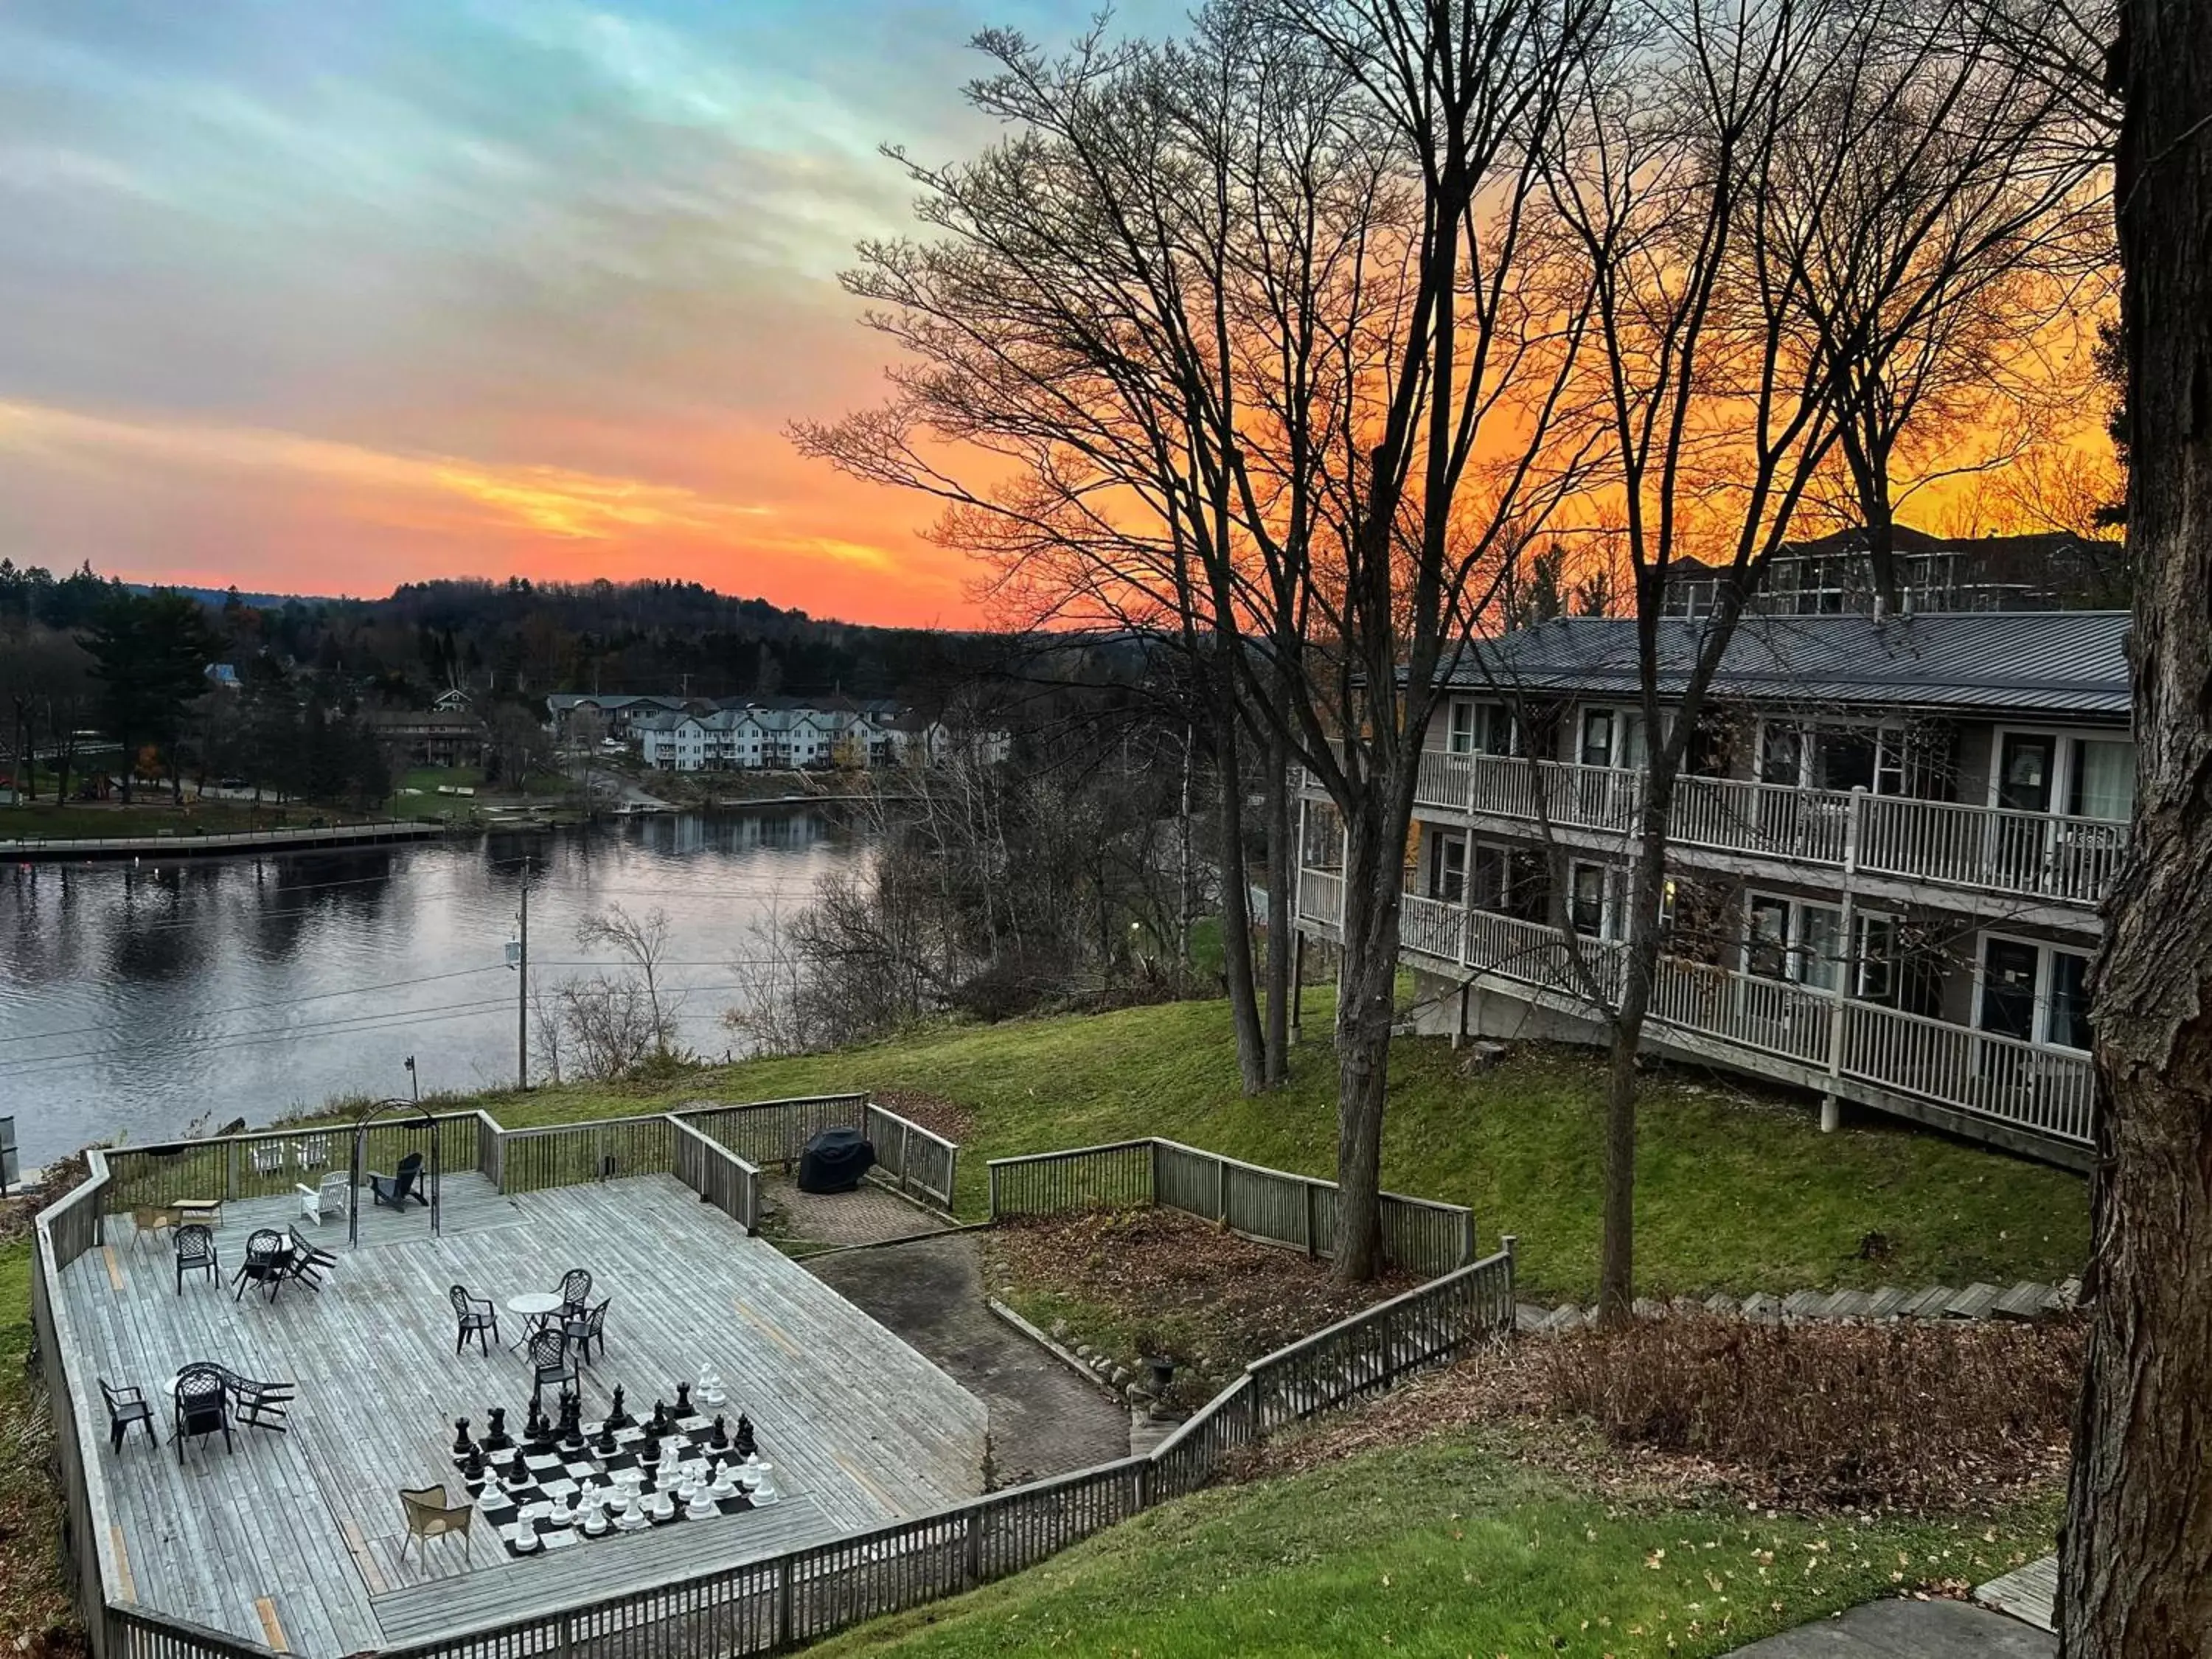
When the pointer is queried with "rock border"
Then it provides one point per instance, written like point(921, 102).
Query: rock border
point(2026, 1301)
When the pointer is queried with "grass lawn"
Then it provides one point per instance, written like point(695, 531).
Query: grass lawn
point(1735, 1192)
point(33, 1596)
point(1447, 1548)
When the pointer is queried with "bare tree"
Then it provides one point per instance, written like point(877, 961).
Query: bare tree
point(643, 942)
point(1754, 296)
point(2136, 1572)
point(1246, 314)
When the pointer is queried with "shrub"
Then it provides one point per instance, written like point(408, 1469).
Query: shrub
point(1832, 1413)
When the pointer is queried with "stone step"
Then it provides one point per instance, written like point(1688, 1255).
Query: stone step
point(2025, 1300)
point(1845, 1304)
point(1887, 1302)
point(1726, 1306)
point(1804, 1304)
point(1929, 1303)
point(1974, 1302)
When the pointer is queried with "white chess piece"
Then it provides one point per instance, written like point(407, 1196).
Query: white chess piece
point(525, 1533)
point(632, 1519)
point(709, 1391)
point(764, 1487)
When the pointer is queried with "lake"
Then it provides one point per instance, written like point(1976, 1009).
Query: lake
point(136, 1000)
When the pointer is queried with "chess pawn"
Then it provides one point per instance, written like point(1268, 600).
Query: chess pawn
point(632, 1519)
point(764, 1487)
point(607, 1439)
point(618, 1418)
point(725, 1483)
point(462, 1445)
point(660, 1417)
point(746, 1443)
point(534, 1429)
point(721, 1433)
point(709, 1392)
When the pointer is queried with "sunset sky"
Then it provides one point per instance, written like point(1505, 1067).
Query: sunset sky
point(322, 295)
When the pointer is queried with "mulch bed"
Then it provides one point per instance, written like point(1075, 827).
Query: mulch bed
point(1990, 1455)
point(1178, 1284)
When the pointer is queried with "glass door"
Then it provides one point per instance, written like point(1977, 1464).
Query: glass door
point(2025, 765)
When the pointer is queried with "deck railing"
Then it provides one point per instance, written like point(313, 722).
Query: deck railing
point(1273, 1206)
point(2063, 859)
point(803, 1594)
point(269, 1163)
point(718, 1174)
point(911, 1157)
point(2044, 1091)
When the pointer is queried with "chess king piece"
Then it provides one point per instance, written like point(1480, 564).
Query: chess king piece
point(495, 1428)
point(745, 1444)
point(462, 1445)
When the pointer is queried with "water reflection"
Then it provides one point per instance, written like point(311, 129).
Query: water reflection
point(138, 999)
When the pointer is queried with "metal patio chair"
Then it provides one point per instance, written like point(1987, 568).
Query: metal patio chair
point(266, 1251)
point(549, 1362)
point(194, 1243)
point(259, 1405)
point(584, 1328)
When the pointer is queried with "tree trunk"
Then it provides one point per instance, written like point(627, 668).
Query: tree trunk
point(1282, 852)
point(1373, 868)
point(1616, 1281)
point(1237, 915)
point(2135, 1573)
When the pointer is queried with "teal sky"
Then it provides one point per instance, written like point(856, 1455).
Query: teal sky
point(324, 295)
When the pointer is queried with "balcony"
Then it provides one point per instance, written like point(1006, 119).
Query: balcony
point(2037, 1097)
point(2047, 857)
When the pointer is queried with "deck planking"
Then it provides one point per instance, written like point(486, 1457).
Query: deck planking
point(302, 1532)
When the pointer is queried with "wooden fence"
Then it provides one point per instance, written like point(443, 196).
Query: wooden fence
point(908, 1157)
point(268, 1163)
point(1273, 1206)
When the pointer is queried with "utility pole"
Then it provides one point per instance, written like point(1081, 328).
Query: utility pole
point(522, 986)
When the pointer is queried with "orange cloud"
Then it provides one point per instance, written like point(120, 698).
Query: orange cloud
point(780, 528)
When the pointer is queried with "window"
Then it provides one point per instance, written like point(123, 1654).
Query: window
point(1818, 954)
point(1781, 753)
point(1479, 728)
point(1447, 867)
point(1459, 737)
point(2067, 1022)
point(1586, 903)
point(2104, 780)
point(1877, 959)
point(1490, 877)
point(1766, 938)
point(1794, 939)
point(1597, 737)
point(1528, 886)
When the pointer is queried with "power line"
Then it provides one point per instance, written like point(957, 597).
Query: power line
point(268, 1002)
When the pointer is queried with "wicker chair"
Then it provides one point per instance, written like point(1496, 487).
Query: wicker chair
point(151, 1218)
point(575, 1292)
point(550, 1363)
point(267, 1251)
point(474, 1315)
point(195, 1247)
point(203, 1403)
point(430, 1514)
point(587, 1328)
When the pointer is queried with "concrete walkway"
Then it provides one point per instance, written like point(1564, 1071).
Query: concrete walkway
point(1045, 1419)
point(1908, 1630)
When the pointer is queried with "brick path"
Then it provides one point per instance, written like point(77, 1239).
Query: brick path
point(867, 1215)
point(1045, 1419)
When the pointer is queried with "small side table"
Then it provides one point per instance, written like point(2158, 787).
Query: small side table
point(534, 1308)
point(207, 1211)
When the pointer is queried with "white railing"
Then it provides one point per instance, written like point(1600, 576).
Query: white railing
point(1320, 896)
point(2046, 1090)
point(2069, 860)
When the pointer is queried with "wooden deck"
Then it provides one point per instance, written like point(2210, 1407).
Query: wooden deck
point(2030, 1594)
point(293, 1539)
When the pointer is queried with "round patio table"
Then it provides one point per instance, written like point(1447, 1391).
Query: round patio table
point(535, 1308)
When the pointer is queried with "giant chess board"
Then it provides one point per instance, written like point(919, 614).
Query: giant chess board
point(535, 1484)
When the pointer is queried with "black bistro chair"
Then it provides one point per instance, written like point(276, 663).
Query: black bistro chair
point(473, 1315)
point(195, 1247)
point(576, 1292)
point(550, 1363)
point(259, 1405)
point(125, 1407)
point(268, 1253)
point(400, 1185)
point(587, 1328)
point(203, 1403)
point(307, 1261)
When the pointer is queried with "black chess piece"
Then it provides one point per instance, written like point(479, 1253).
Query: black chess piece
point(572, 1422)
point(683, 1399)
point(746, 1446)
point(536, 1430)
point(721, 1432)
point(648, 1457)
point(472, 1471)
point(659, 1417)
point(607, 1439)
point(495, 1437)
point(462, 1445)
point(618, 1418)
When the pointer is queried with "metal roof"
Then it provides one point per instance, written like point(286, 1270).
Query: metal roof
point(2061, 662)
